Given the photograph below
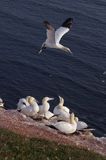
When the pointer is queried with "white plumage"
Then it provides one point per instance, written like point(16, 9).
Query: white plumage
point(60, 107)
point(33, 104)
point(62, 112)
point(68, 124)
point(1, 103)
point(54, 37)
point(48, 115)
point(59, 33)
point(66, 127)
point(44, 108)
point(80, 124)
point(27, 108)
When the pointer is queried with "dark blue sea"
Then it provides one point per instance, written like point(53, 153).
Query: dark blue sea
point(80, 79)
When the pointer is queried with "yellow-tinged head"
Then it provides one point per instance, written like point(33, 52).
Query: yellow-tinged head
point(61, 103)
point(76, 119)
point(30, 100)
point(72, 118)
point(61, 100)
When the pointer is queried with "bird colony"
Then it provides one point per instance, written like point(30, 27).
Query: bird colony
point(61, 118)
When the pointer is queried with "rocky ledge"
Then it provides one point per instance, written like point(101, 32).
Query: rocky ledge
point(16, 122)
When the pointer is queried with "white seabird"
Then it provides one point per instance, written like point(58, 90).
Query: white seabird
point(66, 109)
point(54, 37)
point(62, 112)
point(33, 103)
point(61, 106)
point(24, 107)
point(80, 124)
point(66, 127)
point(44, 108)
point(1, 103)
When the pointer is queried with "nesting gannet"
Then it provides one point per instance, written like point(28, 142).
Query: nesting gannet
point(62, 112)
point(61, 106)
point(66, 127)
point(22, 103)
point(24, 107)
point(80, 124)
point(54, 37)
point(33, 103)
point(1, 103)
point(44, 108)
point(64, 107)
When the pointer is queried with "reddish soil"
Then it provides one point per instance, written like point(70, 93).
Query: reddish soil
point(14, 121)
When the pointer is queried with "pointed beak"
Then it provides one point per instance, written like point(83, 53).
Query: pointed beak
point(50, 99)
point(59, 97)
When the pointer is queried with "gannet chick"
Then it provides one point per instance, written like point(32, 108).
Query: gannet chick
point(54, 37)
point(62, 112)
point(44, 108)
point(1, 103)
point(66, 127)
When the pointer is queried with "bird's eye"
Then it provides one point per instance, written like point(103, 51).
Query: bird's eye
point(24, 103)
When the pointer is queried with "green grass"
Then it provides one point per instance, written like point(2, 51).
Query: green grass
point(16, 147)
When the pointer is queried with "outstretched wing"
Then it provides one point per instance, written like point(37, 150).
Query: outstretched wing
point(50, 32)
point(65, 27)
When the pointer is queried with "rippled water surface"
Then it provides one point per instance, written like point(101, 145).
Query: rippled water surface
point(80, 79)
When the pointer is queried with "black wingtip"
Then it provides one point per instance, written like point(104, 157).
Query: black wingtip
point(47, 24)
point(68, 23)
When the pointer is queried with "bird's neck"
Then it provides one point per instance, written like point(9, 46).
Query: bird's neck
point(61, 103)
point(45, 102)
point(72, 120)
point(60, 106)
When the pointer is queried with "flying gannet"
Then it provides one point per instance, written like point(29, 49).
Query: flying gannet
point(54, 36)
